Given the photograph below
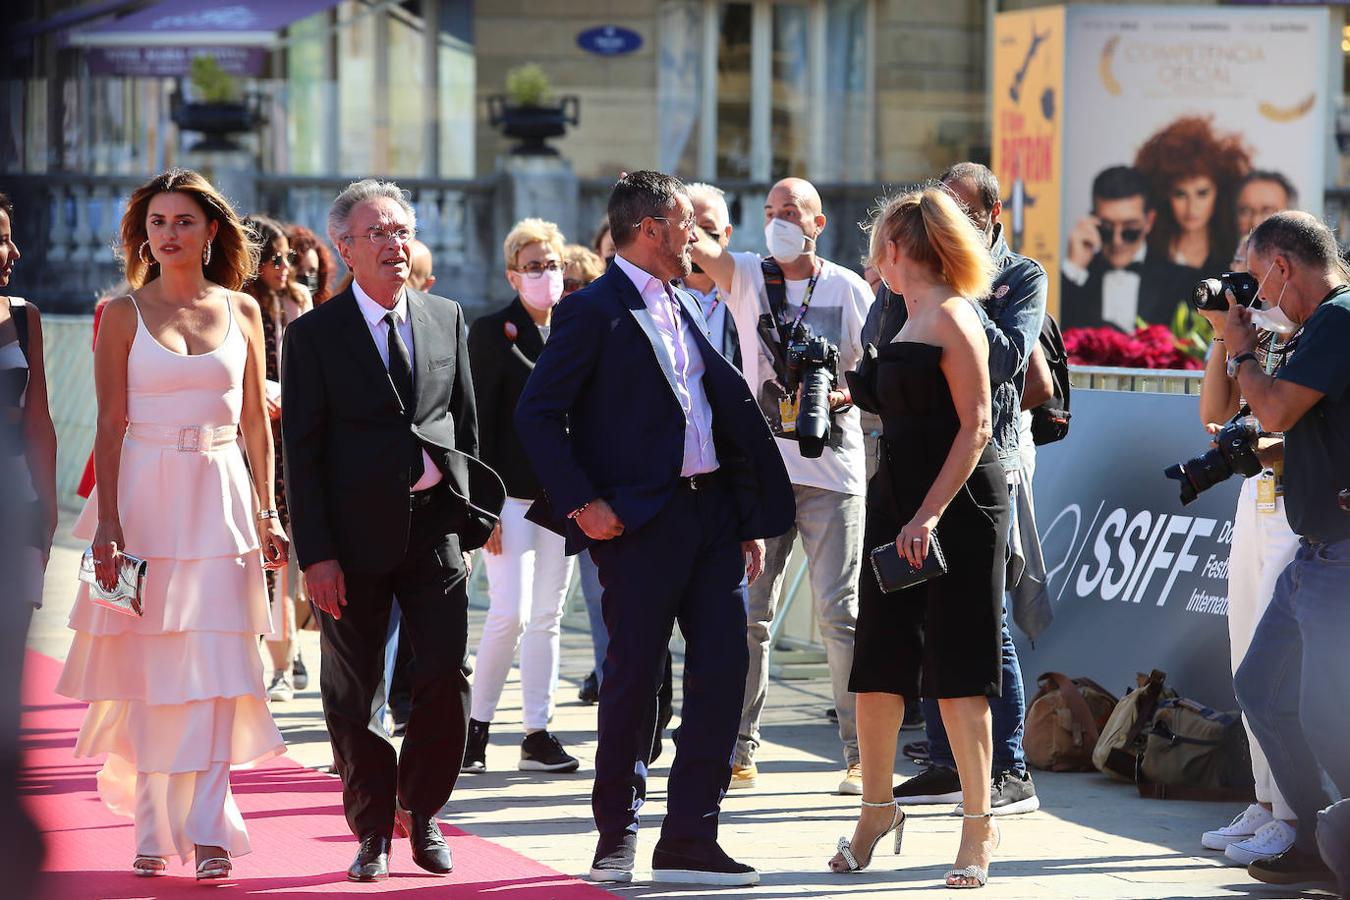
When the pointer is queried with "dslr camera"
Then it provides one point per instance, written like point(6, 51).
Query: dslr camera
point(1208, 294)
point(812, 363)
point(1234, 451)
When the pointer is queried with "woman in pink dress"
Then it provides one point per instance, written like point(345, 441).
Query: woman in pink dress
point(176, 696)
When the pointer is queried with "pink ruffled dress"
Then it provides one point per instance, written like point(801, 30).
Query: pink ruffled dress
point(176, 697)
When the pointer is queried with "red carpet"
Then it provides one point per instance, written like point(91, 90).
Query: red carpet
point(301, 845)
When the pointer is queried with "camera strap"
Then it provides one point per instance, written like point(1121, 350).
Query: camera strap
point(775, 287)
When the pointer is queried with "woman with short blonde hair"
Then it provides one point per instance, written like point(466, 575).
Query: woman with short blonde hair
point(527, 569)
point(939, 475)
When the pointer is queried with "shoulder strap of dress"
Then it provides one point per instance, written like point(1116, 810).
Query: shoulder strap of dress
point(18, 311)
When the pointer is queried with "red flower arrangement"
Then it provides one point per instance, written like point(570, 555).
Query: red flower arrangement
point(1150, 347)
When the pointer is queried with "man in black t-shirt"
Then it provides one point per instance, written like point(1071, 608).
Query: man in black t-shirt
point(1292, 680)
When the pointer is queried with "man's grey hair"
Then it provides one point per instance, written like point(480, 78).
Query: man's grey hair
point(712, 195)
point(1298, 236)
point(359, 192)
point(637, 196)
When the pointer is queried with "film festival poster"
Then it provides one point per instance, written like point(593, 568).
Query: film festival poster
point(1161, 111)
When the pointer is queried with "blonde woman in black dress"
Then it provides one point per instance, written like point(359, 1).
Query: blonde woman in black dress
point(940, 475)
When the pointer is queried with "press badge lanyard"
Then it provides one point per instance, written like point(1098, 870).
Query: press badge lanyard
point(801, 313)
point(1269, 487)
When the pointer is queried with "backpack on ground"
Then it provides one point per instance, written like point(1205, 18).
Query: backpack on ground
point(1122, 739)
point(1050, 420)
point(1194, 752)
point(1063, 722)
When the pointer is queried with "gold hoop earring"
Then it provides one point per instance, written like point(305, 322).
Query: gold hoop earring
point(206, 254)
point(140, 252)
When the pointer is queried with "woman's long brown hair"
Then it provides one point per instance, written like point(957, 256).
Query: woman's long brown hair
point(234, 258)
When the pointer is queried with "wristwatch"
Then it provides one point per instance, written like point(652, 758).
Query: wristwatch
point(1236, 362)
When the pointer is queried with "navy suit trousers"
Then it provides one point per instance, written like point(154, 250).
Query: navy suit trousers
point(684, 565)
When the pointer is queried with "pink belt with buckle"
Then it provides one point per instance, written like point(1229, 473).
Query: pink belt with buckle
point(184, 438)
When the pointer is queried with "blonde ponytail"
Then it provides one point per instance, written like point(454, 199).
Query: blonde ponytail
point(930, 228)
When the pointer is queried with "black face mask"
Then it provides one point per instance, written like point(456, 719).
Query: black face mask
point(311, 282)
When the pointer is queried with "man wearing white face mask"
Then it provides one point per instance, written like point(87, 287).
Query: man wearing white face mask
point(527, 570)
point(1291, 681)
point(833, 301)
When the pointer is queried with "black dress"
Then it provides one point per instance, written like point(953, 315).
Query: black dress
point(942, 638)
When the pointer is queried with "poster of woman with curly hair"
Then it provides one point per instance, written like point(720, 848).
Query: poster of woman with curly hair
point(1170, 114)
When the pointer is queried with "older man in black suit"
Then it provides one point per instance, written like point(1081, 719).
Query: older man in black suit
point(386, 497)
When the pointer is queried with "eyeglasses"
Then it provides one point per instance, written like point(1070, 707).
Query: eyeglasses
point(1129, 234)
point(683, 224)
point(379, 237)
point(537, 269)
point(277, 260)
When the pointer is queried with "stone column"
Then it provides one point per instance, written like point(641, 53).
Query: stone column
point(541, 186)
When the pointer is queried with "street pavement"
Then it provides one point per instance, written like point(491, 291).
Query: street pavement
point(1092, 838)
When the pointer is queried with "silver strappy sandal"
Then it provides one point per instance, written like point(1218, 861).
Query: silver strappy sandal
point(845, 847)
point(979, 876)
point(149, 866)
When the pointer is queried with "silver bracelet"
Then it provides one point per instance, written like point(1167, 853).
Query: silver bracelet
point(268, 514)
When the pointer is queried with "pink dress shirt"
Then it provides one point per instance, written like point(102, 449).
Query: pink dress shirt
point(671, 321)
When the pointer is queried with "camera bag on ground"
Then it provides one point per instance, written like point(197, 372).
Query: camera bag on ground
point(1063, 722)
point(1050, 420)
point(1122, 739)
point(1193, 752)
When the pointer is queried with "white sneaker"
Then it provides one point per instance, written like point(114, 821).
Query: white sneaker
point(1247, 823)
point(280, 689)
point(1271, 839)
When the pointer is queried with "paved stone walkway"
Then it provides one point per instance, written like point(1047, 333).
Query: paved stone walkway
point(1092, 837)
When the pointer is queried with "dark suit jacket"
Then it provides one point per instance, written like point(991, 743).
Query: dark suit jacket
point(599, 418)
point(348, 443)
point(503, 347)
point(1162, 285)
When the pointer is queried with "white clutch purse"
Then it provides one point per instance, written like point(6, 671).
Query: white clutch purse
point(127, 596)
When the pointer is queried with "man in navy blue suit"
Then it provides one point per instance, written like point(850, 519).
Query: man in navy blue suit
point(653, 453)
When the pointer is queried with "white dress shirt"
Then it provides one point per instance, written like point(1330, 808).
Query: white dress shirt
point(374, 315)
point(1120, 291)
point(680, 345)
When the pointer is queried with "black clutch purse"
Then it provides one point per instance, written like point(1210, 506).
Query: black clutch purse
point(894, 572)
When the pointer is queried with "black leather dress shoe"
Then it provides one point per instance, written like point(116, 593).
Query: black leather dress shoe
point(1293, 866)
point(429, 849)
point(372, 860)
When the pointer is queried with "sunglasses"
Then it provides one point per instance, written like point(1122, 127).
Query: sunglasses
point(277, 260)
point(1128, 234)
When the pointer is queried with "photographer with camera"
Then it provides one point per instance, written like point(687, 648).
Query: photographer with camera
point(1292, 681)
point(1262, 546)
point(799, 318)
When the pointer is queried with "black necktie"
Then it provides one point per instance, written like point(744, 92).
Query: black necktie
point(400, 373)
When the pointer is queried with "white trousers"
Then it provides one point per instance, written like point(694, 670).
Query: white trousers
point(527, 585)
point(1263, 544)
point(176, 812)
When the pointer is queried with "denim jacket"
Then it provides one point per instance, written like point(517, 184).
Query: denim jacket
point(1012, 315)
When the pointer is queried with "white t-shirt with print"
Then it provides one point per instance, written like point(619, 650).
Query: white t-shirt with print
point(838, 309)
